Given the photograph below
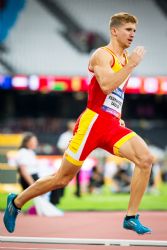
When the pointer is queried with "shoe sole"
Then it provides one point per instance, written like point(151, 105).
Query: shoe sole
point(137, 232)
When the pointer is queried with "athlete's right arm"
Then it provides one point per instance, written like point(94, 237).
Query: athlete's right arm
point(108, 80)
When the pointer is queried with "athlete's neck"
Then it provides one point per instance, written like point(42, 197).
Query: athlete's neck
point(118, 50)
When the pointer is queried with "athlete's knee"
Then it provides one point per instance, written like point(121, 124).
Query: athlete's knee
point(146, 161)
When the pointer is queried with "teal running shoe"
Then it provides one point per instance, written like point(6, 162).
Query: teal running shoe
point(135, 225)
point(11, 213)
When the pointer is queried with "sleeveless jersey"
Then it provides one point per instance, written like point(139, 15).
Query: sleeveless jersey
point(111, 103)
point(99, 126)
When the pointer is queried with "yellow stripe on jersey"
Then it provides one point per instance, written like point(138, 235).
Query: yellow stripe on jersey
point(119, 143)
point(84, 124)
point(73, 161)
point(79, 139)
point(117, 65)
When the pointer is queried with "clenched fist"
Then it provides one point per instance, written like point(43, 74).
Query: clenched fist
point(136, 56)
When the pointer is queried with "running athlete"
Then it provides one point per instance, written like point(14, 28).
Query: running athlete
point(99, 125)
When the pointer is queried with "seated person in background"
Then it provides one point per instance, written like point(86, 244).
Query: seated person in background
point(122, 178)
point(96, 181)
point(26, 160)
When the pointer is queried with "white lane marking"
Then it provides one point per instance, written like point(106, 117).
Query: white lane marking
point(34, 248)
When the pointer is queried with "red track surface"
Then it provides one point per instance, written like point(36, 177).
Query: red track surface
point(100, 225)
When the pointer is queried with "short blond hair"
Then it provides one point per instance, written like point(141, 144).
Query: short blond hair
point(121, 18)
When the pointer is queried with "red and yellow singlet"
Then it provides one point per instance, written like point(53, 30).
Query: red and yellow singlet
point(99, 125)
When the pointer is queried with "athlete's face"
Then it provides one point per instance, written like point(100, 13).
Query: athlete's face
point(125, 34)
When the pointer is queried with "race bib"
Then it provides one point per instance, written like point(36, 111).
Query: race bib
point(113, 102)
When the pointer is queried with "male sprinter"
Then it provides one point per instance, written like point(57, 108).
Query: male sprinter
point(99, 125)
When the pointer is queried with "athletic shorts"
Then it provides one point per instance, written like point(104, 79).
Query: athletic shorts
point(94, 130)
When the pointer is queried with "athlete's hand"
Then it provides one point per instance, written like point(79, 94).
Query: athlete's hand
point(136, 56)
point(122, 123)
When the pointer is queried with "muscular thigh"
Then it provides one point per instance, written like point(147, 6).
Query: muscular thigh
point(115, 136)
point(134, 149)
point(67, 170)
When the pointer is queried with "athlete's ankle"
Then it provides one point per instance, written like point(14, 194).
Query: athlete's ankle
point(15, 204)
point(128, 217)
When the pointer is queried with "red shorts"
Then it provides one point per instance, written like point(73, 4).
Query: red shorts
point(94, 130)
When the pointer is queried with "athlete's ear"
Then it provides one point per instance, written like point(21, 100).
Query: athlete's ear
point(113, 31)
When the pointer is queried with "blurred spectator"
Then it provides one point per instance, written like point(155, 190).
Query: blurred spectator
point(65, 137)
point(36, 125)
point(164, 167)
point(155, 178)
point(164, 171)
point(96, 180)
point(122, 178)
point(27, 162)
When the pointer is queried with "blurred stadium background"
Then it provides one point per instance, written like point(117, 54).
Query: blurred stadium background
point(44, 51)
